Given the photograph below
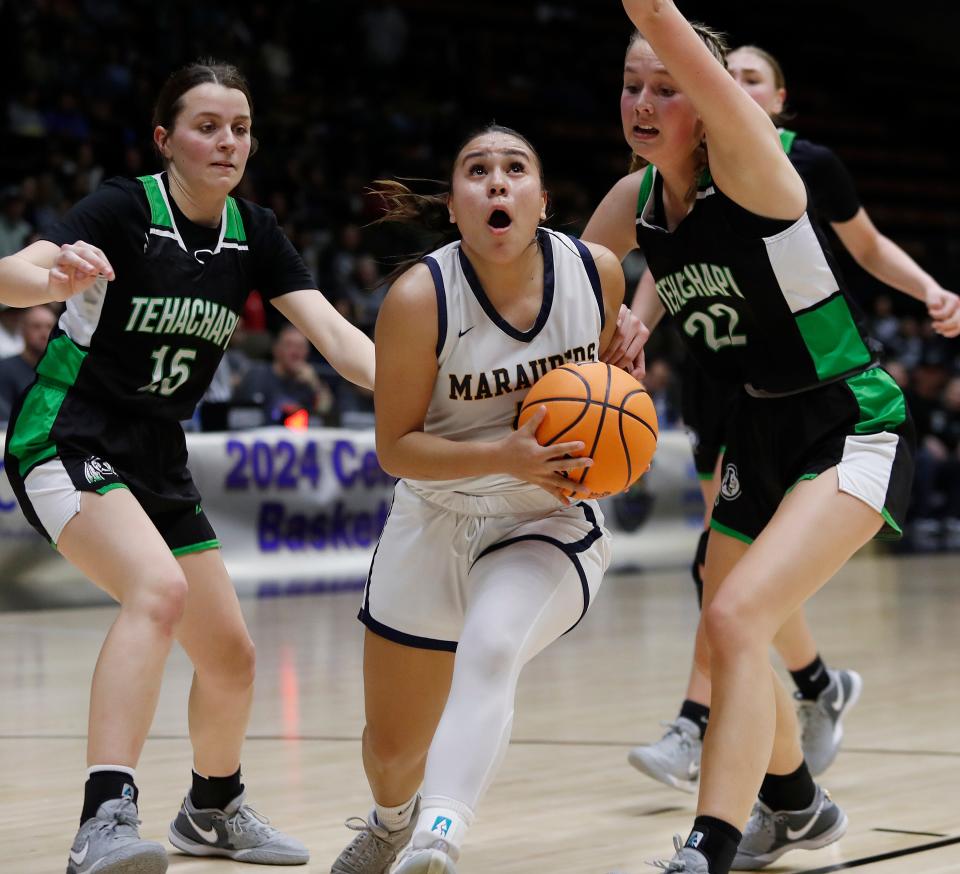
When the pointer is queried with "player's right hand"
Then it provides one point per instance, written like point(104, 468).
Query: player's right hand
point(544, 466)
point(77, 266)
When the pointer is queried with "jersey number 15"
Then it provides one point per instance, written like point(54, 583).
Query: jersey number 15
point(167, 383)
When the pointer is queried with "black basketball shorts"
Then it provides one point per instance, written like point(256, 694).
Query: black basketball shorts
point(860, 425)
point(60, 444)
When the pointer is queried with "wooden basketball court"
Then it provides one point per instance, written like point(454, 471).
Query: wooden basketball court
point(565, 801)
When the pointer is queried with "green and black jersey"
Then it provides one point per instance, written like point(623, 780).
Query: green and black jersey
point(149, 341)
point(758, 301)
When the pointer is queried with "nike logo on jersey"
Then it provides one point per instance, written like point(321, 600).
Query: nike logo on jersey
point(837, 703)
point(208, 834)
point(467, 331)
point(800, 833)
point(77, 858)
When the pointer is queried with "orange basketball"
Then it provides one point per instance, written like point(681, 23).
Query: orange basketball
point(605, 408)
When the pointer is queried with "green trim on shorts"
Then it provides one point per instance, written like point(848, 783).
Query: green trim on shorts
point(196, 547)
point(111, 487)
point(890, 521)
point(800, 479)
point(705, 477)
point(736, 535)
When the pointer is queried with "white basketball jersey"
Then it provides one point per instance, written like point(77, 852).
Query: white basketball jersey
point(487, 365)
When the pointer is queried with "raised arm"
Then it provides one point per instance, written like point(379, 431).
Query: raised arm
point(346, 347)
point(746, 158)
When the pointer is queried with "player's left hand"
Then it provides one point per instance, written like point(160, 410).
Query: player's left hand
point(626, 345)
point(944, 309)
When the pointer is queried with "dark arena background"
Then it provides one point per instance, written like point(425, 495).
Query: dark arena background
point(352, 92)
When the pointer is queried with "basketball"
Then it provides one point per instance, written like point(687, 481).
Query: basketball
point(605, 408)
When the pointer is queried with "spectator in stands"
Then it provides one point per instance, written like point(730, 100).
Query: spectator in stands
point(288, 383)
point(365, 292)
point(14, 228)
point(17, 371)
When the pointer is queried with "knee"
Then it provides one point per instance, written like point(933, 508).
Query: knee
point(732, 628)
point(388, 749)
point(489, 656)
point(234, 662)
point(161, 601)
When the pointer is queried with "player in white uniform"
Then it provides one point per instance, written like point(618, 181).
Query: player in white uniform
point(483, 561)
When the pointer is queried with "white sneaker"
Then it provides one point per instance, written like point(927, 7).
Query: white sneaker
point(429, 860)
point(674, 760)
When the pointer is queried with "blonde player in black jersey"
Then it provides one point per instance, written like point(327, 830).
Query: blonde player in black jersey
point(155, 273)
point(483, 562)
point(824, 694)
point(819, 459)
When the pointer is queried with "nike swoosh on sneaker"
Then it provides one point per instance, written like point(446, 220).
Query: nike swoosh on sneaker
point(837, 703)
point(801, 833)
point(208, 834)
point(77, 858)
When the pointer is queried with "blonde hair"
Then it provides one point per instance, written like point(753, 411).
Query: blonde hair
point(779, 79)
point(719, 47)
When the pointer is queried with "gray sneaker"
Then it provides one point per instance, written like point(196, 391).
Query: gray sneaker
point(821, 723)
point(428, 860)
point(685, 859)
point(374, 849)
point(769, 834)
point(109, 843)
point(675, 758)
point(237, 832)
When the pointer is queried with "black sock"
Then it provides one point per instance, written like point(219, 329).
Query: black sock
point(698, 714)
point(794, 791)
point(716, 840)
point(215, 792)
point(103, 786)
point(699, 559)
point(812, 679)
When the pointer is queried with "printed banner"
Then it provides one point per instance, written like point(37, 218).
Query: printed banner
point(299, 512)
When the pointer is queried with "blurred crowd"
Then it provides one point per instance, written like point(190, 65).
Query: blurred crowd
point(345, 94)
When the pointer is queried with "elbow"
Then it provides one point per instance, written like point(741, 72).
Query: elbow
point(387, 457)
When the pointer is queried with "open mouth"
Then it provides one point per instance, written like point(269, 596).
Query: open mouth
point(499, 219)
point(645, 130)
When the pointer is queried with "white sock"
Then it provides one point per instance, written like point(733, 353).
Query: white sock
point(123, 769)
point(393, 819)
point(443, 819)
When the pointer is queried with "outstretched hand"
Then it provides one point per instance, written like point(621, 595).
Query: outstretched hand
point(78, 266)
